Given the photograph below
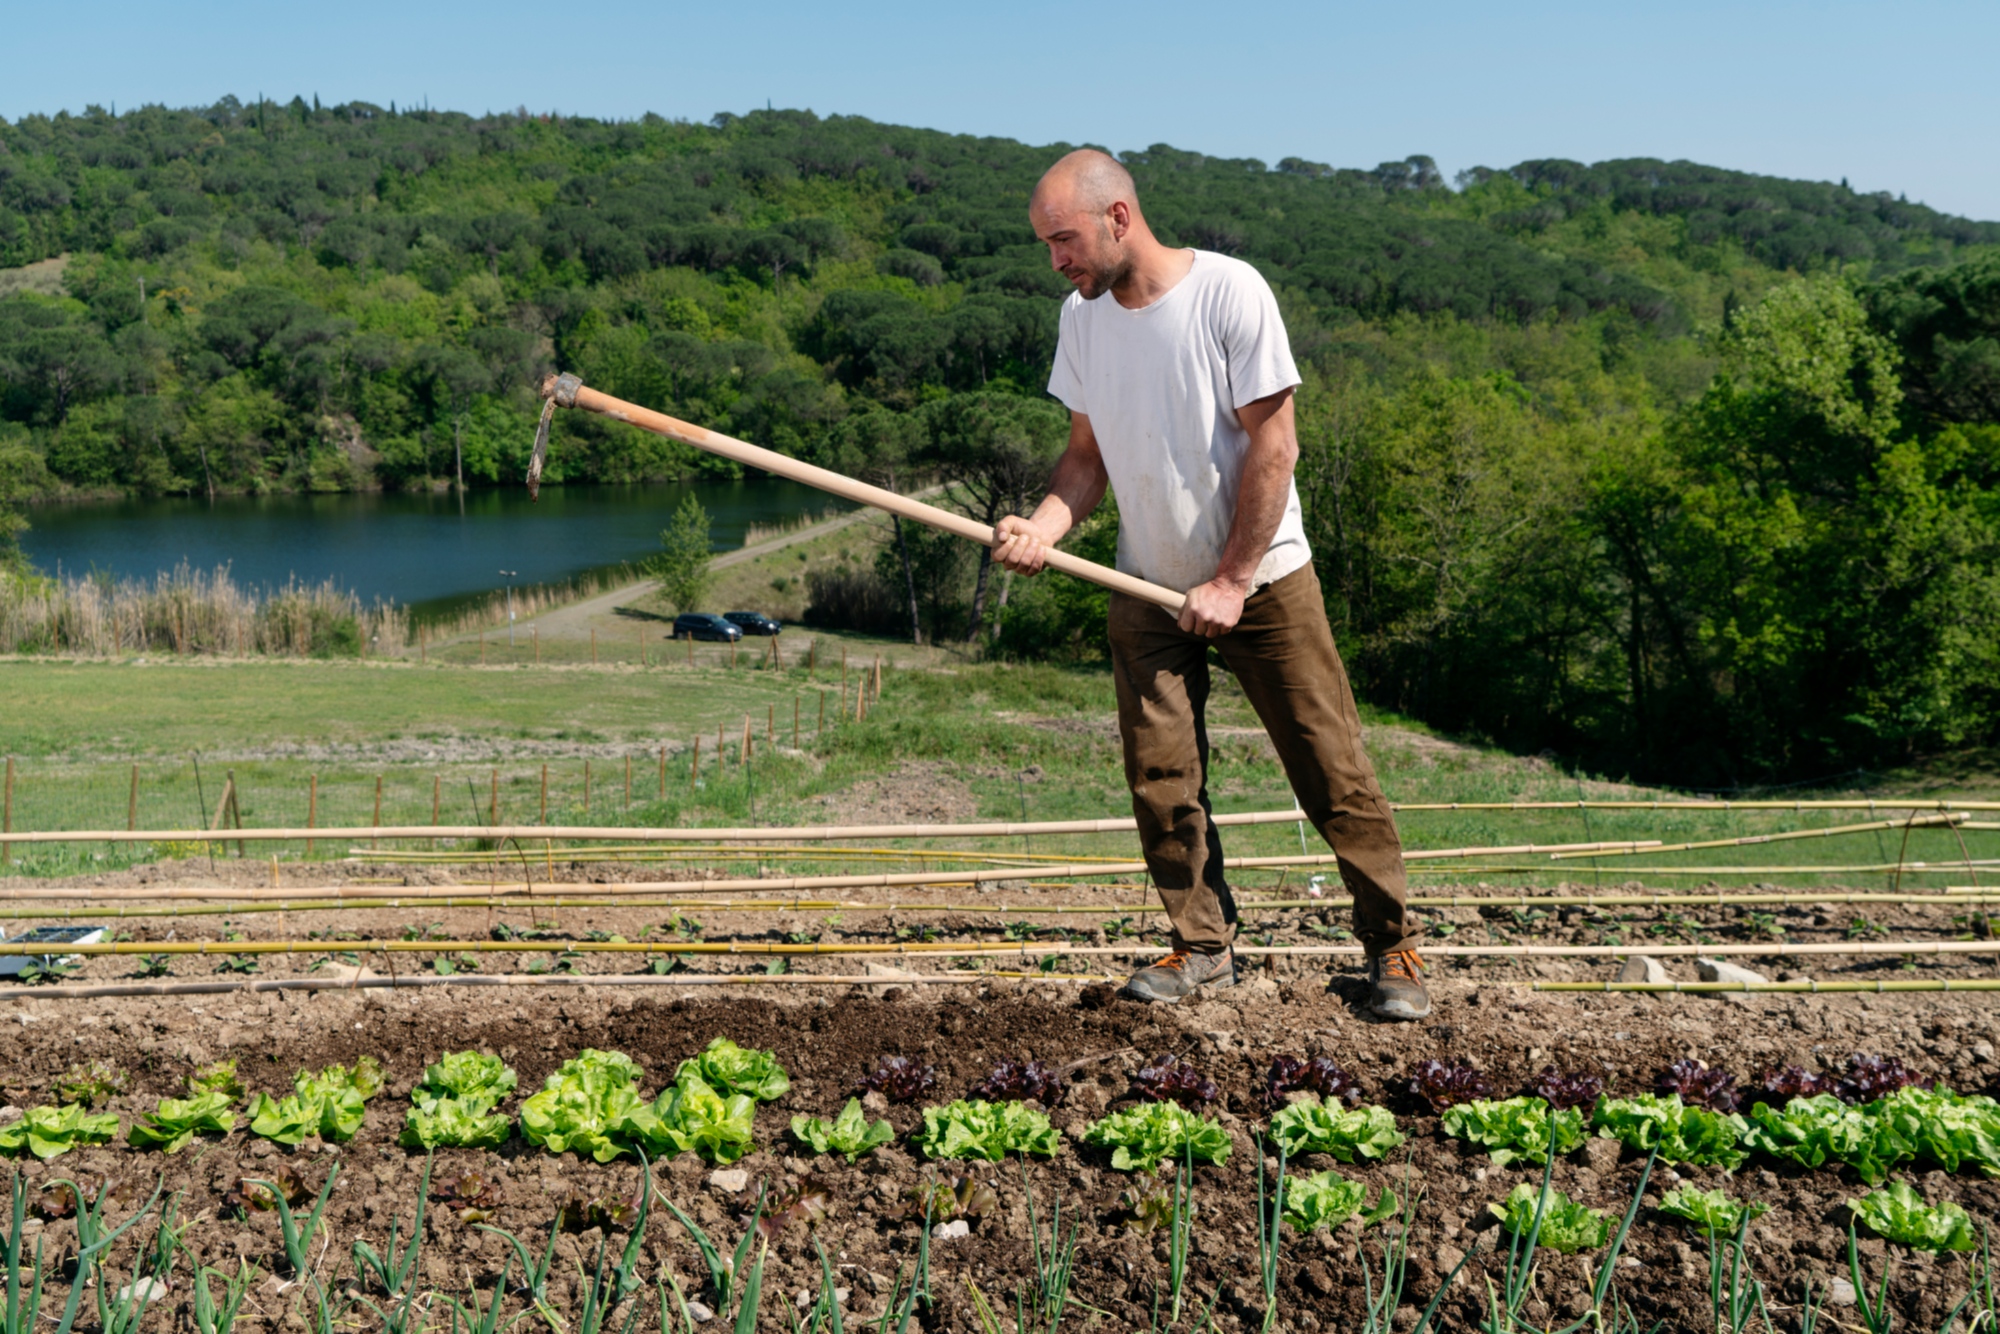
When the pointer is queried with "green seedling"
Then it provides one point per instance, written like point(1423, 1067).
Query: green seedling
point(471, 1318)
point(395, 1273)
point(1270, 1221)
point(209, 1318)
point(237, 963)
point(721, 1273)
point(155, 965)
point(1054, 1264)
point(297, 1239)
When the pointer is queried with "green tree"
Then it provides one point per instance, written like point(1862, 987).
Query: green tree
point(682, 565)
point(995, 452)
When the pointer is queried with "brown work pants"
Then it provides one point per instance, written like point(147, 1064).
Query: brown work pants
point(1282, 654)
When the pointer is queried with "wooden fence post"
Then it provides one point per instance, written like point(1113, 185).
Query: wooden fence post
point(372, 843)
point(132, 802)
point(690, 650)
point(743, 757)
point(820, 730)
point(235, 812)
point(771, 724)
point(312, 807)
point(694, 772)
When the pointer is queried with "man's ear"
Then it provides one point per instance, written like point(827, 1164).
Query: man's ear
point(1120, 217)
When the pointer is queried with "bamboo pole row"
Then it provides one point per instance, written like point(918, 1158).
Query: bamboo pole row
point(960, 949)
point(143, 911)
point(765, 883)
point(1809, 986)
point(73, 991)
point(599, 833)
point(1945, 812)
point(1945, 819)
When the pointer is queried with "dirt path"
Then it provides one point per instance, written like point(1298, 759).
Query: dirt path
point(574, 620)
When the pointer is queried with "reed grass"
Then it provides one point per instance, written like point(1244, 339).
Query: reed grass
point(185, 611)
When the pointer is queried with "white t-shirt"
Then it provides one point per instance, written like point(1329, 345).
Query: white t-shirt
point(1161, 387)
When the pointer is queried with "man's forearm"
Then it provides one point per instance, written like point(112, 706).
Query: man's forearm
point(1261, 495)
point(1075, 488)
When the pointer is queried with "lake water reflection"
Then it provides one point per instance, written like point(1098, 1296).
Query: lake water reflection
point(416, 549)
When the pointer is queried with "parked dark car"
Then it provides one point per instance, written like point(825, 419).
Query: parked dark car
point(752, 622)
point(704, 625)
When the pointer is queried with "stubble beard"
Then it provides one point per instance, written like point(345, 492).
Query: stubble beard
point(1104, 273)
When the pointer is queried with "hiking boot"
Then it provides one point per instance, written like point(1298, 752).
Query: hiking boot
point(1179, 974)
point(1396, 986)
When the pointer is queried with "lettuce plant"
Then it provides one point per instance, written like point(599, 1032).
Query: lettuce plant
point(848, 1134)
point(691, 1117)
point(1821, 1129)
point(1567, 1091)
point(1022, 1081)
point(453, 1104)
point(729, 1069)
point(1900, 1215)
point(1444, 1086)
point(1949, 1129)
point(1709, 1211)
point(1567, 1227)
point(330, 1104)
point(1170, 1079)
point(1143, 1136)
point(1515, 1128)
point(1313, 1127)
point(1697, 1084)
point(1868, 1078)
point(899, 1079)
point(50, 1132)
point(173, 1125)
point(216, 1077)
point(1327, 1199)
point(583, 1105)
point(1319, 1075)
point(1683, 1134)
point(989, 1131)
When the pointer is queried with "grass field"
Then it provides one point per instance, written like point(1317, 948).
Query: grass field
point(950, 740)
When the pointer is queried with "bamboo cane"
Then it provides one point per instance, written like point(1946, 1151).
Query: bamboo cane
point(1112, 825)
point(570, 392)
point(142, 911)
point(1914, 822)
point(72, 991)
point(963, 949)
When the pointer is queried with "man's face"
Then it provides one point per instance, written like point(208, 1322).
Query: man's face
point(1084, 245)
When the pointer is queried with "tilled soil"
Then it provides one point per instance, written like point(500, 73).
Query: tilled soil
point(827, 1039)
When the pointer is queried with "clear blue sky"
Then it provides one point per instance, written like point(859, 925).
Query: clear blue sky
point(1898, 97)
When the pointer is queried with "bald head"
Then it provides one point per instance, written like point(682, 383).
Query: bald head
point(1086, 210)
point(1087, 180)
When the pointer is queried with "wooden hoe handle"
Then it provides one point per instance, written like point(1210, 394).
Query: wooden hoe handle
point(570, 392)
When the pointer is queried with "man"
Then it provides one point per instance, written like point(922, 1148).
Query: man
point(1178, 376)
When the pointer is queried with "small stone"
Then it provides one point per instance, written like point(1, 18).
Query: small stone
point(1982, 1052)
point(1602, 1154)
point(146, 1289)
point(1721, 970)
point(956, 1228)
point(1258, 988)
point(875, 1103)
point(699, 1313)
point(1643, 968)
point(729, 1180)
point(1449, 1258)
point(263, 1148)
point(1840, 1292)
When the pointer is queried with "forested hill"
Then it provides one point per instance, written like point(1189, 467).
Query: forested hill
point(1682, 470)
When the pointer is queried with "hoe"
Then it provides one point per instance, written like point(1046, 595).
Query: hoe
point(570, 392)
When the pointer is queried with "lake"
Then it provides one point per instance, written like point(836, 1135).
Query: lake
point(418, 549)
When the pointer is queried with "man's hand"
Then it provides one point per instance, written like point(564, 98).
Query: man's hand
point(1020, 545)
point(1214, 608)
